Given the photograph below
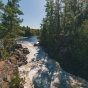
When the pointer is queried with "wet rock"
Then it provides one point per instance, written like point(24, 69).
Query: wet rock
point(13, 60)
point(35, 44)
point(5, 79)
point(17, 57)
point(25, 63)
point(17, 46)
point(39, 43)
point(20, 55)
point(20, 63)
point(25, 51)
point(18, 52)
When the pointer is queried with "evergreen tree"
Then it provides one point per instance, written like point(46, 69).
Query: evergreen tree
point(27, 31)
point(10, 16)
point(10, 23)
point(64, 32)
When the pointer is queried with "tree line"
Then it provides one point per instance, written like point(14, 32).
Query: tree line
point(25, 31)
point(64, 34)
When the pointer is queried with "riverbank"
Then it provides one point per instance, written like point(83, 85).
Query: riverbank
point(42, 72)
point(68, 60)
point(9, 74)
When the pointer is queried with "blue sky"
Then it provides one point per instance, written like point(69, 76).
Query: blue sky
point(33, 10)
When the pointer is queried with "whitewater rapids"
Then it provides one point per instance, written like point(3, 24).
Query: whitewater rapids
point(42, 72)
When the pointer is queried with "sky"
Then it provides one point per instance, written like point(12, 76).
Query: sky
point(34, 12)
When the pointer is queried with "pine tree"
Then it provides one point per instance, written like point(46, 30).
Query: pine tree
point(10, 16)
point(10, 23)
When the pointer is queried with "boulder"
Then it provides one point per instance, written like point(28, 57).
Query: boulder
point(24, 63)
point(20, 63)
point(35, 44)
point(23, 58)
point(25, 51)
point(5, 79)
point(13, 60)
point(18, 52)
point(17, 57)
point(17, 46)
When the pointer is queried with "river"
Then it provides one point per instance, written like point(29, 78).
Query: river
point(42, 72)
point(31, 39)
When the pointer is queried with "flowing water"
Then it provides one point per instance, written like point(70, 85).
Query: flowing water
point(32, 39)
point(42, 72)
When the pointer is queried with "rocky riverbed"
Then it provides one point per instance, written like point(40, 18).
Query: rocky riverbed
point(42, 72)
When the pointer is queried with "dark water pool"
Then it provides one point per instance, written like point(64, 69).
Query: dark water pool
point(32, 39)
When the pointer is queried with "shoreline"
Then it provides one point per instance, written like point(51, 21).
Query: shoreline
point(9, 68)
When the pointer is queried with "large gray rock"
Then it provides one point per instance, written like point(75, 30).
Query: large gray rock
point(37, 44)
point(13, 60)
point(25, 51)
point(17, 46)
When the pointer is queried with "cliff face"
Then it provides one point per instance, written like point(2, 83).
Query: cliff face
point(42, 72)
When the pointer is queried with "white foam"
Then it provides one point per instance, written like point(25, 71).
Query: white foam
point(44, 72)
